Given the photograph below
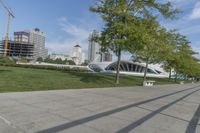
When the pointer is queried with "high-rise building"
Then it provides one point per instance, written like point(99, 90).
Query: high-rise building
point(21, 36)
point(78, 55)
point(18, 50)
point(27, 44)
point(94, 50)
point(37, 37)
point(107, 57)
point(94, 54)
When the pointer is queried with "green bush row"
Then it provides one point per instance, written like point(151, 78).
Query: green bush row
point(47, 67)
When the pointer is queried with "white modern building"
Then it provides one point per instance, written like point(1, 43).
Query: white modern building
point(129, 68)
point(77, 55)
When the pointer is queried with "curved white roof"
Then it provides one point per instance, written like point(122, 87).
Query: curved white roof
point(136, 69)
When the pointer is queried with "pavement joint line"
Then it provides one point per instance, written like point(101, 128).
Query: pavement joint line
point(32, 104)
point(100, 130)
point(108, 95)
point(6, 121)
point(107, 113)
point(105, 94)
point(10, 124)
point(47, 110)
point(191, 128)
point(137, 123)
point(164, 114)
point(190, 102)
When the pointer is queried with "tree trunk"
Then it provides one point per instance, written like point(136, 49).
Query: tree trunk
point(145, 71)
point(176, 77)
point(118, 66)
point(170, 74)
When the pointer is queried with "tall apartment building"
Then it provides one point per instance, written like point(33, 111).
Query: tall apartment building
point(21, 37)
point(37, 37)
point(107, 57)
point(28, 44)
point(94, 51)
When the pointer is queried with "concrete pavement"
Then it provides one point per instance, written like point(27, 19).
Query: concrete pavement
point(158, 109)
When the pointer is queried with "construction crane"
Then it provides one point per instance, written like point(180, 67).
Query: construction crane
point(10, 14)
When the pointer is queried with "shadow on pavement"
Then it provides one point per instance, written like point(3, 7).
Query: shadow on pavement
point(107, 113)
point(152, 114)
point(194, 122)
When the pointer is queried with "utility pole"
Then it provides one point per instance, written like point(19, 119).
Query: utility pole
point(10, 14)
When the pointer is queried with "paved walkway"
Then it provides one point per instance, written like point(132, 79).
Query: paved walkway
point(159, 109)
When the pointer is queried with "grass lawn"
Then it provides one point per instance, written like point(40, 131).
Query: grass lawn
point(26, 79)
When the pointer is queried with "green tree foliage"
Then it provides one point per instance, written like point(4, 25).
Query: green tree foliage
point(40, 59)
point(122, 18)
point(71, 62)
point(186, 61)
point(170, 59)
point(6, 61)
point(59, 61)
point(153, 45)
point(180, 57)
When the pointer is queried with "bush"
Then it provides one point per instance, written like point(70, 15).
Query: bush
point(6, 61)
point(48, 67)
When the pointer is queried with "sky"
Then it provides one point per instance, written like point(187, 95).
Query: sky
point(69, 22)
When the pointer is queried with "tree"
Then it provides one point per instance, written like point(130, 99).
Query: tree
point(71, 62)
point(180, 57)
point(40, 59)
point(85, 63)
point(170, 58)
point(194, 70)
point(187, 61)
point(168, 61)
point(6, 61)
point(121, 17)
point(153, 46)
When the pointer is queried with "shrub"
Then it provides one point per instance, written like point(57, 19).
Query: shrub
point(68, 69)
point(6, 61)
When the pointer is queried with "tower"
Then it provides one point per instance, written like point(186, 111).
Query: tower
point(77, 55)
point(94, 53)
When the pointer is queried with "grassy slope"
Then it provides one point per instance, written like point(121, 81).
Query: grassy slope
point(26, 79)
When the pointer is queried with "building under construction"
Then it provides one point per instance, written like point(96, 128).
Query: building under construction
point(28, 44)
point(18, 50)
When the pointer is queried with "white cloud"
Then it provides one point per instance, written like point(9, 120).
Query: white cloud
point(197, 49)
point(76, 33)
point(196, 11)
point(60, 47)
point(191, 30)
point(182, 3)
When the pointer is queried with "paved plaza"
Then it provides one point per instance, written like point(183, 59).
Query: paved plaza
point(158, 109)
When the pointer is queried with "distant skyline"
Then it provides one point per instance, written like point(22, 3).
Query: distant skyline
point(69, 22)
